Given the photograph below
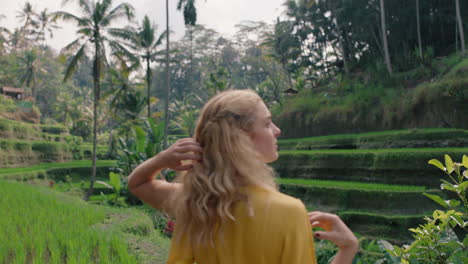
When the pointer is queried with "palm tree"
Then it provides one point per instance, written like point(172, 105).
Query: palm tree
point(460, 28)
point(284, 45)
point(190, 19)
point(4, 34)
point(384, 38)
point(418, 25)
point(29, 76)
point(145, 41)
point(45, 25)
point(27, 15)
point(95, 32)
point(168, 79)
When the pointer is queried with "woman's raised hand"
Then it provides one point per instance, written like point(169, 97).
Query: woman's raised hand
point(186, 149)
point(335, 230)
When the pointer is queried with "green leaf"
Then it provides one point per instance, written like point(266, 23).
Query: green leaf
point(454, 203)
point(114, 179)
point(465, 161)
point(449, 163)
point(448, 186)
point(457, 219)
point(437, 199)
point(463, 186)
point(437, 163)
point(140, 139)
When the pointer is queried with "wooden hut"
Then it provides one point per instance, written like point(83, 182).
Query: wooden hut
point(14, 93)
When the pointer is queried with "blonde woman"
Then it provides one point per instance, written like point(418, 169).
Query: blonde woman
point(226, 204)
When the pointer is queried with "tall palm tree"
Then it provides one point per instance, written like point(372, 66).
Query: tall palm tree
point(45, 25)
point(146, 42)
point(284, 46)
point(26, 16)
point(384, 37)
point(190, 19)
point(94, 33)
point(29, 75)
point(168, 79)
point(418, 25)
point(4, 35)
point(460, 28)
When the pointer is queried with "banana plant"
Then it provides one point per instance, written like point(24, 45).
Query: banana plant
point(146, 141)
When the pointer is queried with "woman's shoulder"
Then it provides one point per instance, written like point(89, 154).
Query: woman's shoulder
point(277, 201)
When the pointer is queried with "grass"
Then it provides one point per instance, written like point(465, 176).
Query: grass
point(373, 134)
point(40, 226)
point(47, 166)
point(352, 185)
point(351, 151)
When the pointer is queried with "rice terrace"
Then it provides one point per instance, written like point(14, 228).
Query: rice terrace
point(371, 97)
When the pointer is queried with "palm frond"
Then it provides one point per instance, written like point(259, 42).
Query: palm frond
point(119, 48)
point(85, 31)
point(121, 33)
point(66, 17)
point(160, 39)
point(74, 62)
point(73, 45)
point(120, 11)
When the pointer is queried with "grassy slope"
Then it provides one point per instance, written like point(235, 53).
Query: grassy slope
point(41, 224)
point(47, 166)
point(352, 185)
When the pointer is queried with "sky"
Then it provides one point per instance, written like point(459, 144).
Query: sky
point(220, 15)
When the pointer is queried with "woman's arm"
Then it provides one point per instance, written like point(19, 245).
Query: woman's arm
point(159, 193)
point(337, 232)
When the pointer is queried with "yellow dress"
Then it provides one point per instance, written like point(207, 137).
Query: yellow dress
point(279, 232)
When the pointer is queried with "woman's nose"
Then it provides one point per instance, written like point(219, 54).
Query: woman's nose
point(277, 131)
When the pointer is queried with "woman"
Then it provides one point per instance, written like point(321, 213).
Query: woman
point(226, 203)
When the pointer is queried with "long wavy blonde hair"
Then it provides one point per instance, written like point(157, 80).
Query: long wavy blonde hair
point(229, 162)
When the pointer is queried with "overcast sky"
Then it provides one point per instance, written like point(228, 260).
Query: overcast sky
point(220, 15)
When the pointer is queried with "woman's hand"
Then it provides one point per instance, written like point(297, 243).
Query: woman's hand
point(158, 193)
point(186, 149)
point(337, 232)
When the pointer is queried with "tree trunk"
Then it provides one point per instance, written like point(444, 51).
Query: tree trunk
point(96, 76)
point(418, 23)
point(191, 56)
point(460, 28)
point(342, 46)
point(148, 85)
point(384, 38)
point(166, 112)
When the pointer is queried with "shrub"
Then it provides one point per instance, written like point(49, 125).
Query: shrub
point(436, 241)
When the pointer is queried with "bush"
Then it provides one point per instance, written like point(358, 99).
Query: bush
point(444, 236)
point(7, 104)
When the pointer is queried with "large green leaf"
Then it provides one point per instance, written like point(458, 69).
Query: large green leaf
point(437, 199)
point(463, 186)
point(140, 139)
point(114, 180)
point(437, 163)
point(448, 186)
point(465, 161)
point(448, 163)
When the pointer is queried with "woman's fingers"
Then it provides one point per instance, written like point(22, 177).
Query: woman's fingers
point(183, 167)
point(335, 229)
point(188, 148)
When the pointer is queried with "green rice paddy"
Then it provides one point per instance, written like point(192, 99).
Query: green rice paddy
point(40, 226)
point(352, 185)
point(47, 166)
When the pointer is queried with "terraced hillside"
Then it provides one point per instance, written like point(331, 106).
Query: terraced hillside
point(24, 144)
point(374, 181)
